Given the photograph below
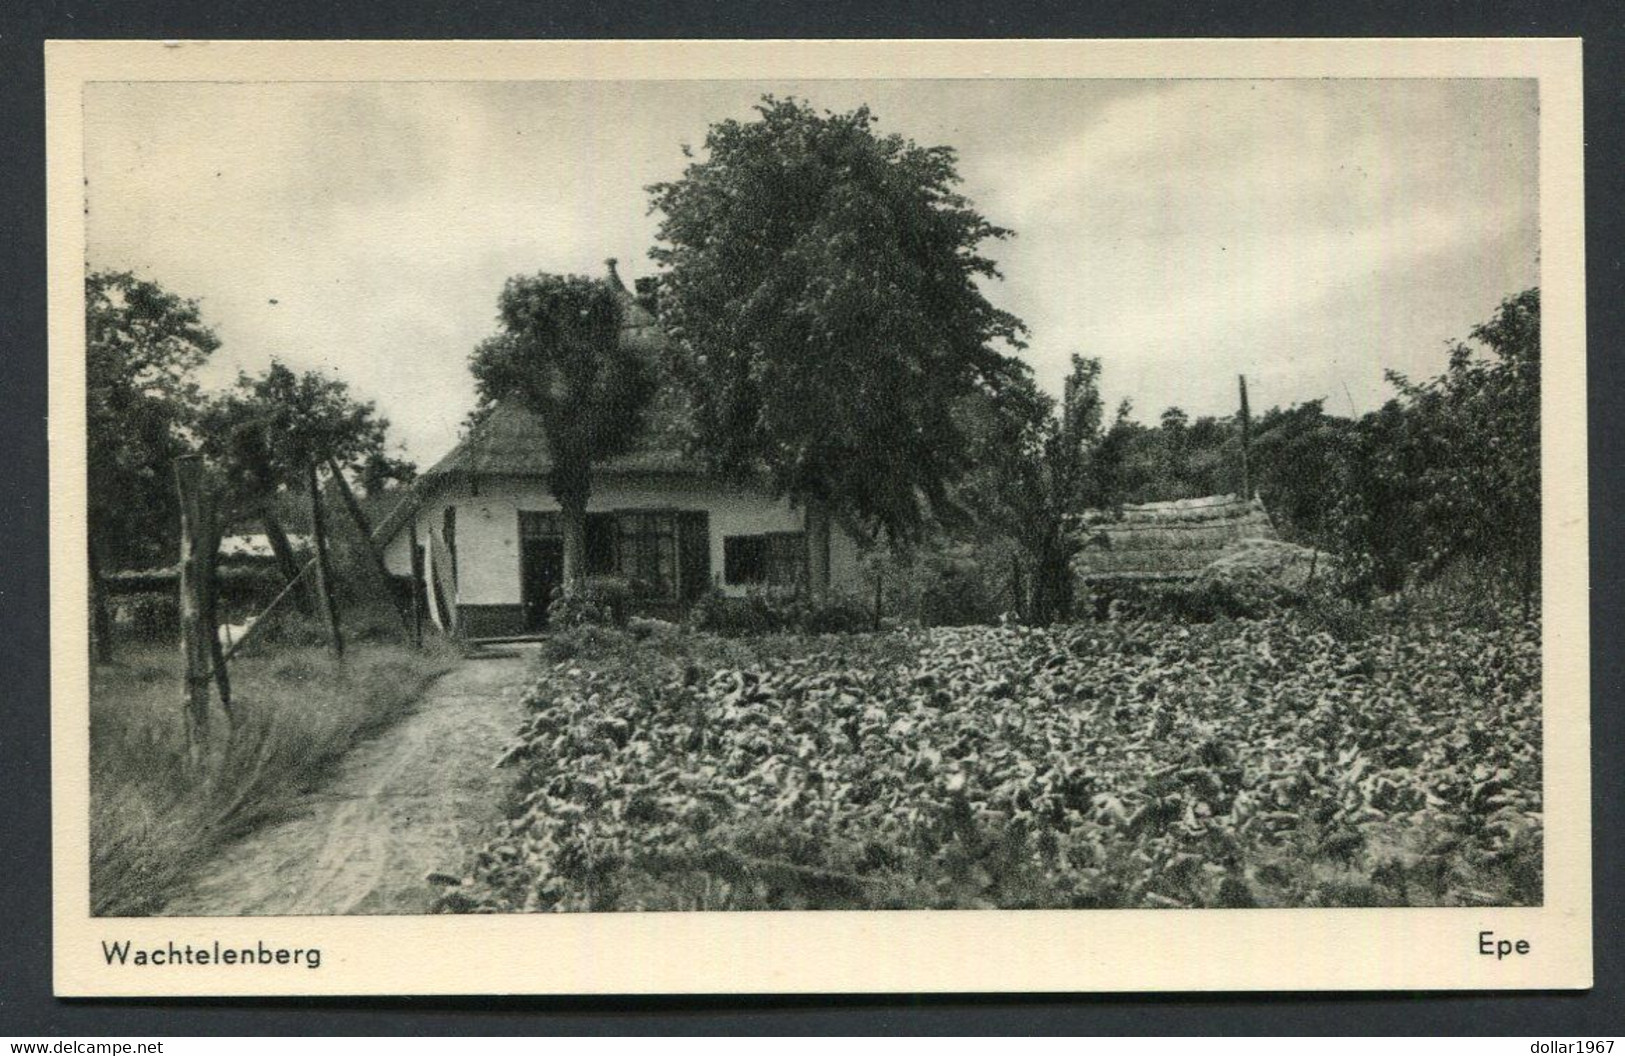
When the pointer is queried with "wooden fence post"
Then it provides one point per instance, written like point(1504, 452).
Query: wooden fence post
point(324, 569)
point(211, 608)
point(195, 652)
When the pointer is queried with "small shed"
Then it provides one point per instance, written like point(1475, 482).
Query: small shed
point(1165, 540)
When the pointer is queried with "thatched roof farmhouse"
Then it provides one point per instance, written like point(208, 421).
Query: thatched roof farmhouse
point(482, 526)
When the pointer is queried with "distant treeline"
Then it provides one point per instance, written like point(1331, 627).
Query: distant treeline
point(1446, 470)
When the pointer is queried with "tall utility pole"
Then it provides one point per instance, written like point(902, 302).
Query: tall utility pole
point(1246, 440)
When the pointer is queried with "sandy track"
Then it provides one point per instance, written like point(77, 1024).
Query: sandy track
point(415, 799)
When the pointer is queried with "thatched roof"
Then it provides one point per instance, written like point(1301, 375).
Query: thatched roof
point(511, 441)
point(1165, 540)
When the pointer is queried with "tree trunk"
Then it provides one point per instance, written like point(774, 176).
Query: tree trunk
point(324, 570)
point(101, 620)
point(1052, 584)
point(1038, 599)
point(573, 522)
point(818, 550)
point(285, 559)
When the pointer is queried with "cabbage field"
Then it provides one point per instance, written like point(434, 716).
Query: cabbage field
point(1289, 761)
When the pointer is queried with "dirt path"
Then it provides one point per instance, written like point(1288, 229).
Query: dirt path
point(415, 799)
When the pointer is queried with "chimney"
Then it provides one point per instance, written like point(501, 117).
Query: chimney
point(614, 276)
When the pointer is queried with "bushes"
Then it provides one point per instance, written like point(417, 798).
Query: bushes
point(148, 616)
point(943, 585)
point(957, 594)
point(763, 613)
point(584, 640)
point(1203, 599)
point(604, 603)
point(579, 610)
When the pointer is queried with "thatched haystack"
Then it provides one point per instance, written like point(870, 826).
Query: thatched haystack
point(1165, 540)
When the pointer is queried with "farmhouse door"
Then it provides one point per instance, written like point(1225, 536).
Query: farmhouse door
point(541, 565)
point(694, 557)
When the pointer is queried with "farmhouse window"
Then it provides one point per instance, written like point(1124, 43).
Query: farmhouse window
point(776, 559)
point(601, 533)
point(744, 559)
point(648, 553)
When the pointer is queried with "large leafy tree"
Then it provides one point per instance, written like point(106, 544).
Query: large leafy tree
point(1449, 471)
point(1482, 418)
point(560, 353)
point(263, 435)
point(822, 288)
point(143, 346)
point(1376, 523)
point(379, 472)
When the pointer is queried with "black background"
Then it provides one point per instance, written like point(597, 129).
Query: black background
point(26, 1004)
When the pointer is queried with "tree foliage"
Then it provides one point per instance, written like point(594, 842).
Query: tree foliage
point(265, 432)
point(262, 436)
point(559, 352)
point(1036, 464)
point(1296, 455)
point(379, 472)
point(821, 286)
point(1450, 470)
point(143, 346)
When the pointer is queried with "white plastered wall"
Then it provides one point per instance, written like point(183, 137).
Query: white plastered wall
point(488, 526)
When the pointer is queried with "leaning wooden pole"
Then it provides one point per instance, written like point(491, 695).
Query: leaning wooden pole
point(263, 618)
point(386, 582)
point(195, 652)
point(1246, 442)
point(407, 508)
point(324, 567)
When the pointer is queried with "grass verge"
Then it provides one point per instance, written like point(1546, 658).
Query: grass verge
point(156, 818)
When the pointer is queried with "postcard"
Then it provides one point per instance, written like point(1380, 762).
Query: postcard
point(587, 517)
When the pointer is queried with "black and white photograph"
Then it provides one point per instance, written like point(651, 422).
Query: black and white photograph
point(754, 496)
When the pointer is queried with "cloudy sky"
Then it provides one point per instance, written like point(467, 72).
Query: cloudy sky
point(1310, 234)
